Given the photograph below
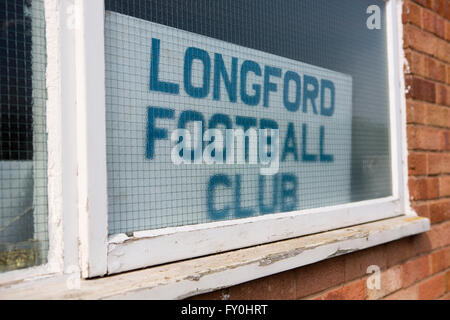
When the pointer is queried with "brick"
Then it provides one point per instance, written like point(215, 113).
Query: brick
point(391, 281)
point(422, 209)
point(401, 250)
point(432, 288)
point(445, 229)
point(352, 291)
point(448, 67)
point(423, 188)
point(441, 50)
point(415, 270)
point(356, 264)
point(439, 210)
point(444, 186)
point(416, 112)
point(447, 257)
point(440, 26)
point(447, 32)
point(441, 6)
point(419, 40)
point(412, 13)
point(447, 276)
point(429, 21)
point(445, 297)
point(319, 276)
point(438, 261)
point(404, 294)
point(416, 63)
point(439, 235)
point(417, 163)
point(438, 116)
point(435, 237)
point(445, 140)
point(421, 89)
point(422, 138)
point(420, 244)
point(432, 22)
point(435, 69)
point(441, 94)
point(426, 3)
point(445, 162)
point(434, 163)
point(277, 287)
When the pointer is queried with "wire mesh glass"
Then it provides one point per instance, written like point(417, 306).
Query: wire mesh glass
point(23, 154)
point(147, 44)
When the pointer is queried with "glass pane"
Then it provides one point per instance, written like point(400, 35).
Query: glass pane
point(310, 69)
point(23, 155)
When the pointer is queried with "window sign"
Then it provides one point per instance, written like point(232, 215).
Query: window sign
point(200, 130)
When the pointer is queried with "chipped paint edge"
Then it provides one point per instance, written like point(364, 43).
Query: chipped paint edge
point(398, 68)
point(91, 137)
point(62, 233)
point(192, 277)
point(145, 249)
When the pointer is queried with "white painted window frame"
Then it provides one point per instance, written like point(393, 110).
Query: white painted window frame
point(78, 211)
point(118, 253)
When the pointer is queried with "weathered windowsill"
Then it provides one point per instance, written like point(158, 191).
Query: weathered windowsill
point(192, 277)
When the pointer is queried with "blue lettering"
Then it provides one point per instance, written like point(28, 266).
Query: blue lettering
point(214, 122)
point(246, 123)
point(239, 211)
point(268, 124)
point(270, 86)
point(292, 76)
point(290, 144)
point(310, 94)
point(214, 181)
point(192, 116)
point(289, 185)
point(324, 157)
point(221, 72)
point(156, 133)
point(190, 55)
point(155, 84)
point(327, 84)
point(305, 156)
point(266, 209)
point(250, 66)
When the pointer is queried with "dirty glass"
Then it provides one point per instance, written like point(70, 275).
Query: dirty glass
point(312, 70)
point(23, 156)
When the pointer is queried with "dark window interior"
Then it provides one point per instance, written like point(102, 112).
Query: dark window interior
point(16, 139)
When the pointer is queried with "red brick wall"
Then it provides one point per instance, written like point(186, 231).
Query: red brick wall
point(412, 268)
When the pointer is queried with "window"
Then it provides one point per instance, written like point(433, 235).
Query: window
point(23, 154)
point(310, 73)
point(325, 159)
point(301, 103)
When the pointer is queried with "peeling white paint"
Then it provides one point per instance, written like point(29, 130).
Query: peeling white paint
point(54, 142)
point(192, 277)
point(400, 53)
point(62, 165)
point(171, 244)
point(91, 136)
